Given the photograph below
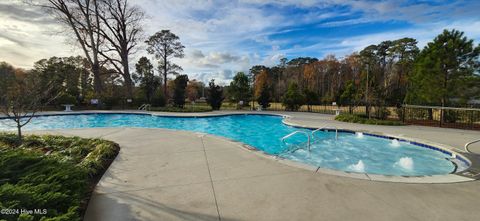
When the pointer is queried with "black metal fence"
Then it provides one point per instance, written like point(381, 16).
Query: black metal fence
point(452, 117)
point(320, 108)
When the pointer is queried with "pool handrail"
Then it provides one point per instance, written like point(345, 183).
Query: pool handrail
point(327, 127)
point(296, 132)
point(144, 107)
point(469, 143)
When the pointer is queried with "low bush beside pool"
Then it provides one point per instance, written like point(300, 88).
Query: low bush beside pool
point(186, 109)
point(352, 118)
point(50, 177)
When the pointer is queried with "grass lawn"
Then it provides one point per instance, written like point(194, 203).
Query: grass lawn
point(352, 118)
point(53, 174)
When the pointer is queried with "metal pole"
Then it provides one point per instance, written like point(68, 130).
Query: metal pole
point(367, 110)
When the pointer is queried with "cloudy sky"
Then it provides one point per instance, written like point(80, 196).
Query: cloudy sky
point(223, 37)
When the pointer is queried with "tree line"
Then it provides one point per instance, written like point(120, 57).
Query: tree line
point(394, 72)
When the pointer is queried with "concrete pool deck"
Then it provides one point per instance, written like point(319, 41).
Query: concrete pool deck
point(176, 175)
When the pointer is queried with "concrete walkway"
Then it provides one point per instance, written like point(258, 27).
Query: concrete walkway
point(175, 175)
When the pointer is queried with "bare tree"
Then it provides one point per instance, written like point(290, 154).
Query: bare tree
point(23, 98)
point(164, 45)
point(82, 18)
point(121, 29)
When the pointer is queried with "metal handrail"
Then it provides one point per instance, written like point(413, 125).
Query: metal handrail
point(469, 143)
point(327, 127)
point(144, 107)
point(296, 132)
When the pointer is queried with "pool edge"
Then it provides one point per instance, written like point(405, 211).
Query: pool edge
point(456, 177)
point(448, 178)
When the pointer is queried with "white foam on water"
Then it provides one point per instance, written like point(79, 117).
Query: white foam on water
point(359, 134)
point(405, 163)
point(395, 143)
point(301, 152)
point(359, 167)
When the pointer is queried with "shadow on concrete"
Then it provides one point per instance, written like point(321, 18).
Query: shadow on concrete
point(108, 207)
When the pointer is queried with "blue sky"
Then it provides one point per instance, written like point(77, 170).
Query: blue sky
point(223, 37)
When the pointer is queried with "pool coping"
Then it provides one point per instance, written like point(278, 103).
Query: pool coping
point(459, 176)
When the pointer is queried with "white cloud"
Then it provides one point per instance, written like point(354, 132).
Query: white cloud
point(23, 41)
point(423, 34)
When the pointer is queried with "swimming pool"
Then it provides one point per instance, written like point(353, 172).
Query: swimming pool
point(350, 152)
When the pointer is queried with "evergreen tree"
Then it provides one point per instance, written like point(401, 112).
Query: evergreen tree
point(444, 70)
point(265, 97)
point(239, 89)
point(293, 98)
point(149, 83)
point(165, 45)
point(179, 90)
point(215, 95)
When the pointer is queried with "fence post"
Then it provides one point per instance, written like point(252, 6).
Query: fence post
point(441, 116)
point(404, 110)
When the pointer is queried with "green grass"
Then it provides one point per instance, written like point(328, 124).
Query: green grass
point(51, 172)
point(352, 118)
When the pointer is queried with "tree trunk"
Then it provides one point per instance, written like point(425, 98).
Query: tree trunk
point(19, 132)
point(97, 81)
point(128, 85)
point(165, 76)
point(367, 110)
point(126, 74)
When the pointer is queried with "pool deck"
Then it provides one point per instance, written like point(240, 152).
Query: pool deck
point(162, 174)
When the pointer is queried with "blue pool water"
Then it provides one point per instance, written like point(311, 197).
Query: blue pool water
point(350, 152)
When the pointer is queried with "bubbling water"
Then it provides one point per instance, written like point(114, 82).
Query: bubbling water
point(359, 134)
point(405, 163)
point(359, 167)
point(395, 143)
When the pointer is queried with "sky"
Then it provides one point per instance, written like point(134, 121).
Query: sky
point(224, 37)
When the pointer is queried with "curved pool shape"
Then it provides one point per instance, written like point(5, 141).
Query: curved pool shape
point(351, 152)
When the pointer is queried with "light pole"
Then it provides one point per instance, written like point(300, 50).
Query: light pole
point(367, 106)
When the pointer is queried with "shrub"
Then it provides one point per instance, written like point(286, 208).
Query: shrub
point(158, 99)
point(66, 99)
point(108, 102)
point(215, 95)
point(185, 109)
point(352, 118)
point(180, 84)
point(29, 181)
point(293, 98)
point(59, 182)
point(450, 116)
point(382, 112)
point(264, 98)
point(400, 113)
